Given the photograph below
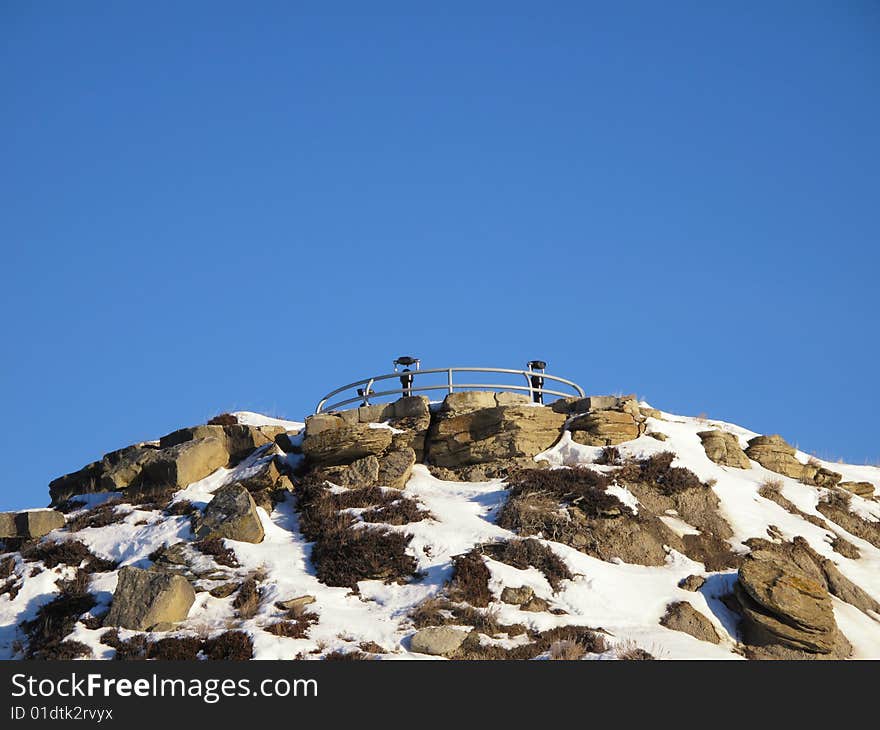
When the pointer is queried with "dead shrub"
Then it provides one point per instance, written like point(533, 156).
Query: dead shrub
point(402, 511)
point(771, 484)
point(224, 419)
point(589, 639)
point(581, 487)
point(610, 456)
point(658, 470)
point(533, 514)
point(566, 650)
point(216, 548)
point(371, 647)
point(101, 516)
point(175, 648)
point(182, 508)
point(631, 652)
point(10, 588)
point(294, 627)
point(67, 552)
point(247, 600)
point(342, 557)
point(524, 553)
point(132, 649)
point(55, 620)
point(433, 611)
point(230, 646)
point(346, 656)
point(470, 579)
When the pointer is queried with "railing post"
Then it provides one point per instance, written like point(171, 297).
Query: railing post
point(450, 379)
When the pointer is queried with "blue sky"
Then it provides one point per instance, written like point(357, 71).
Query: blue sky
point(214, 206)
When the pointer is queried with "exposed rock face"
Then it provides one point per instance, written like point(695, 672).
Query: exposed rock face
point(184, 463)
point(692, 582)
point(395, 468)
point(231, 514)
point(177, 459)
point(723, 448)
point(437, 641)
point(468, 430)
point(145, 598)
point(772, 452)
point(862, 489)
point(29, 524)
point(682, 616)
point(329, 443)
point(786, 606)
point(608, 421)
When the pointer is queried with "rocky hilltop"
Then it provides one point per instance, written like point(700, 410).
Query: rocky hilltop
point(482, 527)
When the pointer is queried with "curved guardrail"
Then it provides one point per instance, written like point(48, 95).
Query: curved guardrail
point(365, 393)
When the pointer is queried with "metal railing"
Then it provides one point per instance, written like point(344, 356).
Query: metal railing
point(366, 394)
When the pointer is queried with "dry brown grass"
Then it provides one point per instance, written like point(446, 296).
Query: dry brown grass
point(216, 548)
point(67, 552)
point(247, 600)
point(55, 620)
point(524, 553)
point(470, 579)
point(566, 650)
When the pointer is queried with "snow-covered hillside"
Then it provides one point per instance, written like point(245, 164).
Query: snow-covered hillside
point(623, 603)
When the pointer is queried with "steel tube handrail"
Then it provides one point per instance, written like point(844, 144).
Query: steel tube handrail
point(450, 386)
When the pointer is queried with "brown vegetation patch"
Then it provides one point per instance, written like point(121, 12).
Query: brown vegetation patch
point(55, 620)
point(470, 579)
point(223, 419)
point(524, 553)
point(216, 548)
point(67, 552)
point(101, 516)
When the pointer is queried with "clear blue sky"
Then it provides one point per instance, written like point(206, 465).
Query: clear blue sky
point(215, 206)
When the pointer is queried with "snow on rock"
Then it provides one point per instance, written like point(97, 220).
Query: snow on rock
point(625, 601)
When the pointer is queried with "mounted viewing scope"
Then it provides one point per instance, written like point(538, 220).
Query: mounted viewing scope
point(406, 379)
point(406, 361)
point(537, 381)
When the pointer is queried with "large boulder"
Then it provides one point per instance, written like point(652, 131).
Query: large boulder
point(184, 463)
point(231, 514)
point(682, 616)
point(29, 524)
point(333, 444)
point(115, 471)
point(774, 453)
point(145, 598)
point(723, 448)
point(395, 468)
point(464, 432)
point(786, 606)
point(177, 459)
point(438, 640)
point(608, 421)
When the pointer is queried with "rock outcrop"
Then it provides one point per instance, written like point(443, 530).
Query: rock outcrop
point(479, 428)
point(723, 448)
point(29, 524)
point(682, 616)
point(786, 607)
point(605, 420)
point(774, 453)
point(231, 514)
point(861, 489)
point(176, 460)
point(144, 599)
